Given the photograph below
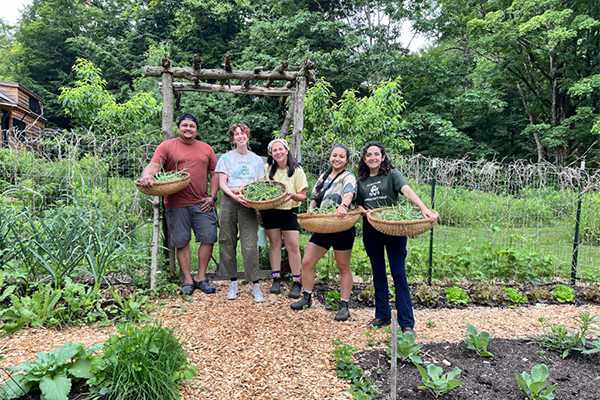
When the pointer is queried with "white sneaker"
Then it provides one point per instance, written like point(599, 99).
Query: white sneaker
point(258, 296)
point(233, 291)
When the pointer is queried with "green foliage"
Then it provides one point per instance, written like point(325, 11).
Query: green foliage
point(560, 338)
point(426, 295)
point(478, 342)
point(52, 373)
point(488, 294)
point(41, 309)
point(532, 385)
point(346, 369)
point(367, 296)
point(515, 296)
point(539, 295)
point(457, 296)
point(591, 293)
point(332, 299)
point(141, 363)
point(563, 294)
point(437, 383)
point(401, 212)
point(131, 308)
point(407, 349)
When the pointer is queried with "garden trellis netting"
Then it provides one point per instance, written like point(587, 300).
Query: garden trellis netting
point(498, 220)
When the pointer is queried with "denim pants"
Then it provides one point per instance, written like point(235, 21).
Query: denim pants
point(234, 216)
point(375, 242)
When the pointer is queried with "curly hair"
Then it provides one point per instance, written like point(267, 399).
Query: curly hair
point(386, 165)
point(244, 128)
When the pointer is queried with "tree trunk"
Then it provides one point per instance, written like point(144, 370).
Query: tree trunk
point(538, 144)
point(289, 116)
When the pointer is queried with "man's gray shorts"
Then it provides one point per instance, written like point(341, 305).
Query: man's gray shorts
point(182, 220)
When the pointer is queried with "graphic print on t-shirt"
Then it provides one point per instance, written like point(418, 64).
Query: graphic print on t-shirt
point(374, 193)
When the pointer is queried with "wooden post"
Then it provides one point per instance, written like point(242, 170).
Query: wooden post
point(155, 236)
point(289, 116)
point(393, 369)
point(299, 118)
point(168, 97)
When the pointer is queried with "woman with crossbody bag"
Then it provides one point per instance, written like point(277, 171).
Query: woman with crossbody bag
point(336, 187)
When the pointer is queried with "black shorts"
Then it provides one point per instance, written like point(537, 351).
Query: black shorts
point(286, 220)
point(339, 241)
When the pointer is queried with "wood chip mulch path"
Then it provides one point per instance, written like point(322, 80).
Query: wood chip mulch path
point(246, 350)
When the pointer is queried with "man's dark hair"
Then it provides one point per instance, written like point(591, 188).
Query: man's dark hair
point(189, 117)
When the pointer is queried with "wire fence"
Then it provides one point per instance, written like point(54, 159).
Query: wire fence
point(497, 220)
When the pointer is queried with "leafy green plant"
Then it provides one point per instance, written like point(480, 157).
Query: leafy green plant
point(478, 342)
point(81, 303)
point(426, 295)
point(560, 338)
point(532, 385)
point(563, 294)
point(367, 296)
point(437, 383)
point(491, 295)
point(40, 309)
point(141, 363)
point(407, 349)
point(515, 296)
point(591, 293)
point(132, 308)
point(457, 296)
point(539, 295)
point(332, 299)
point(52, 373)
point(346, 369)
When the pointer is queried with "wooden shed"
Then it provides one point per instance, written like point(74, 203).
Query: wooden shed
point(21, 116)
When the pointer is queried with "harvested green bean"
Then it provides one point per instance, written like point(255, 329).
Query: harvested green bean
point(163, 176)
point(399, 213)
point(332, 209)
point(263, 191)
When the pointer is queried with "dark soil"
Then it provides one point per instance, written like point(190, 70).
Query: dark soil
point(79, 391)
point(486, 378)
point(321, 288)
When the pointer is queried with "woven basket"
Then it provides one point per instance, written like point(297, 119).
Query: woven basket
point(165, 188)
point(328, 223)
point(267, 204)
point(399, 228)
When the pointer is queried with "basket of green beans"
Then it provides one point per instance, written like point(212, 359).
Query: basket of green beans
point(264, 195)
point(166, 183)
point(325, 220)
point(399, 221)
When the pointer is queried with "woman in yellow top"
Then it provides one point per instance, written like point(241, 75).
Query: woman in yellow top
point(281, 222)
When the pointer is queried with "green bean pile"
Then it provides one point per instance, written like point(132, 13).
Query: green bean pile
point(399, 213)
point(163, 176)
point(332, 209)
point(263, 191)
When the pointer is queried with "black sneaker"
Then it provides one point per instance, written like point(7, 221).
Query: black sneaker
point(276, 287)
point(295, 291)
point(306, 301)
point(343, 312)
point(378, 323)
point(204, 286)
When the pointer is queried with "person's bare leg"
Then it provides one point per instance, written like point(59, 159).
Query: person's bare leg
point(312, 255)
point(291, 239)
point(204, 255)
point(274, 236)
point(184, 258)
point(342, 258)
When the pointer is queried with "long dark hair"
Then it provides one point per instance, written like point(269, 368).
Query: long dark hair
point(292, 164)
point(386, 165)
point(319, 187)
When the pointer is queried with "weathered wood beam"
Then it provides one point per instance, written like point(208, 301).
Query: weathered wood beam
point(256, 70)
point(197, 62)
point(250, 90)
point(278, 70)
point(299, 118)
point(218, 74)
point(289, 116)
point(168, 97)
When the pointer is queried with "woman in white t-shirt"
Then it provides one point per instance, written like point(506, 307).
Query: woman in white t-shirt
point(282, 221)
point(236, 169)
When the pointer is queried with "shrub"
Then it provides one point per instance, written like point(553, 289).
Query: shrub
point(426, 296)
point(457, 296)
point(539, 295)
point(142, 363)
point(563, 294)
point(491, 295)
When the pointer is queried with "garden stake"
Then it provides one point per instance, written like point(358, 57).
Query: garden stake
point(394, 355)
point(431, 233)
point(155, 237)
point(576, 239)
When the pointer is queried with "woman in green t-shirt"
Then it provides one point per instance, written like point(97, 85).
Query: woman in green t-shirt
point(380, 185)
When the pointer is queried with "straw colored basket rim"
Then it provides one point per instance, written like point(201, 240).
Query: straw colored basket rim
point(328, 223)
point(165, 188)
point(399, 228)
point(267, 204)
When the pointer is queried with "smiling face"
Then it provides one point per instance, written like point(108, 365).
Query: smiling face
point(373, 158)
point(187, 131)
point(338, 158)
point(279, 153)
point(240, 138)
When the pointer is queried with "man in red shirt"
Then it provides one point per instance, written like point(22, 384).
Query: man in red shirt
point(192, 208)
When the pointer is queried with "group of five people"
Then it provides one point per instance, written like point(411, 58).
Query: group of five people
point(193, 208)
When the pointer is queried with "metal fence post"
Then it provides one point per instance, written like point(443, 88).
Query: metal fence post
point(430, 272)
point(576, 238)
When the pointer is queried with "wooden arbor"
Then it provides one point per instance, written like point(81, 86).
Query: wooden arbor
point(295, 88)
